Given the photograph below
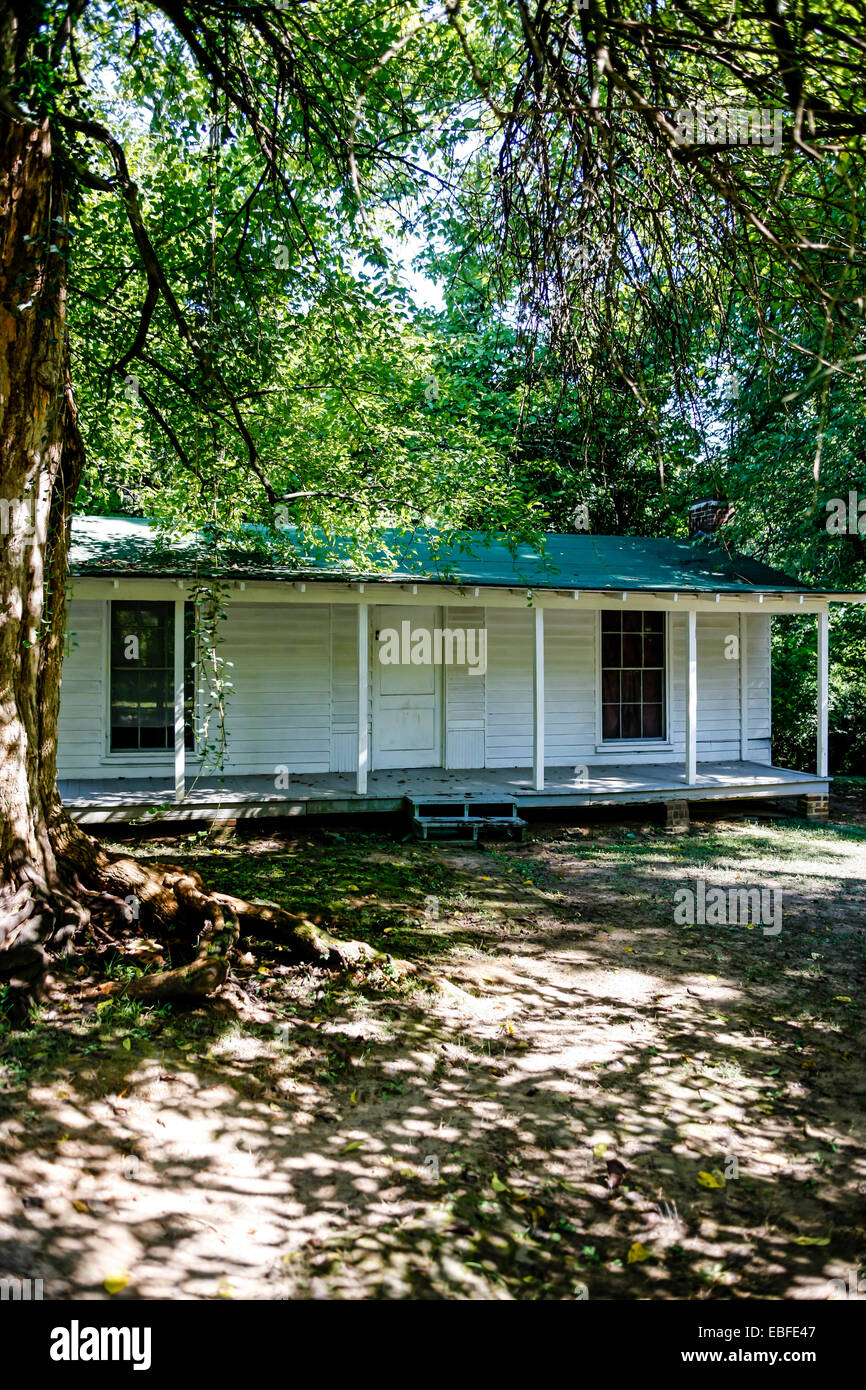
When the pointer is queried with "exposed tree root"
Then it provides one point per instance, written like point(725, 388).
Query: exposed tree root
point(41, 923)
point(37, 922)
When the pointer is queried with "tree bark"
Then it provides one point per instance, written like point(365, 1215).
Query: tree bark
point(49, 867)
point(40, 467)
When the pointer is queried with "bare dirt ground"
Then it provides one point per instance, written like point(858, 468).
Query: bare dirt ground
point(598, 1103)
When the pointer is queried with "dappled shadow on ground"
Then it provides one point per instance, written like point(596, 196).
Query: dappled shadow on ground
point(599, 1103)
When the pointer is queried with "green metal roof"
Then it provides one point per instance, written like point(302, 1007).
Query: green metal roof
point(123, 546)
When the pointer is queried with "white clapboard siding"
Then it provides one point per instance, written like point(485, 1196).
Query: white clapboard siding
point(464, 698)
point(675, 655)
point(81, 727)
point(569, 687)
point(295, 702)
point(509, 687)
point(279, 713)
point(758, 684)
point(344, 687)
point(718, 688)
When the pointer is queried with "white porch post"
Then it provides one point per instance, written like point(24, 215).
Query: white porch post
point(363, 697)
point(692, 699)
point(538, 703)
point(744, 687)
point(179, 732)
point(823, 710)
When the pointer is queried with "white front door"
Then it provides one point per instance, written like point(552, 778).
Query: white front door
point(407, 714)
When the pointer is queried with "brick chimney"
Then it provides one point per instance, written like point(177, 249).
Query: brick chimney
point(709, 515)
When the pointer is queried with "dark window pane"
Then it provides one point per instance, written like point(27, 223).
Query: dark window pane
point(652, 721)
point(154, 738)
point(630, 721)
point(652, 687)
point(154, 715)
point(610, 686)
point(122, 628)
point(152, 648)
point(123, 737)
point(141, 634)
point(631, 651)
point(632, 675)
point(124, 686)
point(142, 675)
point(149, 685)
point(631, 687)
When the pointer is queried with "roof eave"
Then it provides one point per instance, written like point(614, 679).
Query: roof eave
point(317, 577)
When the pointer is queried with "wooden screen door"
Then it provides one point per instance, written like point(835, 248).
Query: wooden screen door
point(407, 711)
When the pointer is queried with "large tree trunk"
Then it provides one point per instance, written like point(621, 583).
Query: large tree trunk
point(50, 870)
point(40, 465)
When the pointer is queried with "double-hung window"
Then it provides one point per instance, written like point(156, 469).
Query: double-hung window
point(632, 675)
point(142, 676)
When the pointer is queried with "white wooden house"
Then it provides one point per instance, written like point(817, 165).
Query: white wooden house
point(614, 670)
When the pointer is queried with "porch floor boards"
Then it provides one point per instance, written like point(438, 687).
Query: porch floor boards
point(108, 799)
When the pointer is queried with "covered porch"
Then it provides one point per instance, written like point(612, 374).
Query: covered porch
point(100, 801)
point(605, 782)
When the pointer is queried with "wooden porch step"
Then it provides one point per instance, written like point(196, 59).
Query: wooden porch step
point(464, 819)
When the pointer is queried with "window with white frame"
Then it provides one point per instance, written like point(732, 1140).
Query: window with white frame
point(141, 646)
point(632, 675)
